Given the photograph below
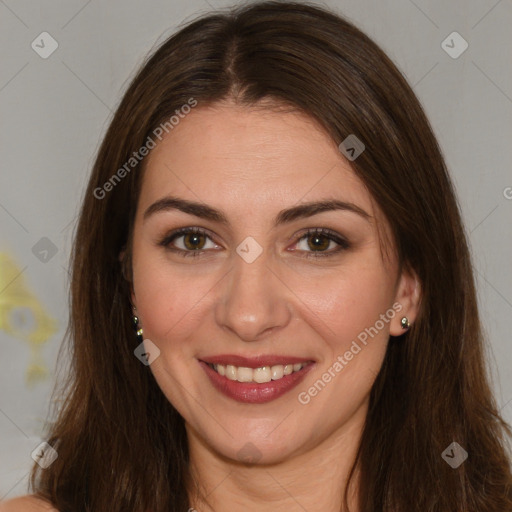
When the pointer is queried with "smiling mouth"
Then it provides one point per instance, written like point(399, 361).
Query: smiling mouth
point(257, 375)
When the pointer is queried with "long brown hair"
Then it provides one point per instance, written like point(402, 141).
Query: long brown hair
point(122, 446)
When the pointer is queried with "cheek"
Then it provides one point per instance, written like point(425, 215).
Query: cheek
point(170, 299)
point(351, 318)
point(345, 306)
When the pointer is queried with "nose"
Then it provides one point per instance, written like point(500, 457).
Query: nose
point(253, 302)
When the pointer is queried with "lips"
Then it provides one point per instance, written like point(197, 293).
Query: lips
point(254, 392)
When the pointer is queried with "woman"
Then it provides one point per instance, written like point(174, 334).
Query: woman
point(271, 211)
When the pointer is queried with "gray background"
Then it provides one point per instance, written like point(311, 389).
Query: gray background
point(54, 112)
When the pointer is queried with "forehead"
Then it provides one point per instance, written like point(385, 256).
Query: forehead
point(250, 159)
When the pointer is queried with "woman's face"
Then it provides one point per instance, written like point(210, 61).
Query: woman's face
point(257, 285)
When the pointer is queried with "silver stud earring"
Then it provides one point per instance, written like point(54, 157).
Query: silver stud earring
point(405, 323)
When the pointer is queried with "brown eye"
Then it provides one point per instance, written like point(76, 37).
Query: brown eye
point(318, 241)
point(193, 244)
point(193, 240)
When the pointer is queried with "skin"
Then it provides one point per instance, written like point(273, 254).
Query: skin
point(252, 163)
point(28, 503)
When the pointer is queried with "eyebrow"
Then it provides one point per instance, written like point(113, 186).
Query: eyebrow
point(288, 215)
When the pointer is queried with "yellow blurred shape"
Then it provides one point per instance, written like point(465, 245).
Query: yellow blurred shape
point(22, 315)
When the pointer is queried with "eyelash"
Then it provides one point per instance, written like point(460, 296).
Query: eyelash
point(331, 235)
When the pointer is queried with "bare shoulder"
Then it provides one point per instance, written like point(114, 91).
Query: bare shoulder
point(28, 503)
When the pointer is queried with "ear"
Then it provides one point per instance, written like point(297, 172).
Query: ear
point(407, 300)
point(121, 259)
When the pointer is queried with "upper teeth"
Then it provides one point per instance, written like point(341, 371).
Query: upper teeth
point(262, 374)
